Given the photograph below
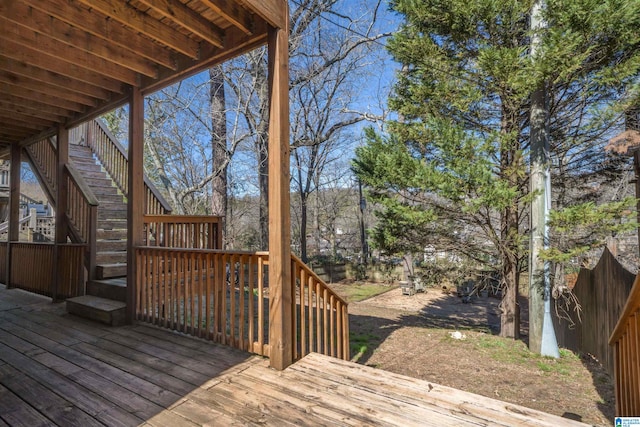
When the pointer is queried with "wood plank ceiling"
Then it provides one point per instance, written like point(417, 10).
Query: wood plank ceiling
point(64, 61)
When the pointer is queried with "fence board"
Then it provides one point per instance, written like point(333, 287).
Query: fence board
point(602, 294)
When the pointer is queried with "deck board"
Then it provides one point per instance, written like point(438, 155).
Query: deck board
point(56, 369)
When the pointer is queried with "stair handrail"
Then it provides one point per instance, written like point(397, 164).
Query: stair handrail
point(114, 158)
point(331, 336)
point(82, 214)
point(43, 159)
point(5, 225)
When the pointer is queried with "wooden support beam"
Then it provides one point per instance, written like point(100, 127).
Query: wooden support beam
point(24, 92)
point(187, 18)
point(98, 25)
point(22, 83)
point(121, 11)
point(14, 204)
point(40, 22)
point(13, 112)
point(275, 12)
point(135, 198)
point(62, 226)
point(238, 16)
point(236, 43)
point(281, 298)
point(44, 45)
point(15, 68)
point(11, 101)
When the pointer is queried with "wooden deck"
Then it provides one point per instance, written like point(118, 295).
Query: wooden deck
point(56, 369)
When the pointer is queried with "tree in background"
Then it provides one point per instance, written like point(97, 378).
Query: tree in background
point(454, 172)
point(327, 70)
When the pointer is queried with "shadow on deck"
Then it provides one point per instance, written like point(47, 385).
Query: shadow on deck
point(56, 369)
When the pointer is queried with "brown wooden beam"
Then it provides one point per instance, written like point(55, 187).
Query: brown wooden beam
point(62, 226)
point(281, 298)
point(135, 198)
point(45, 45)
point(39, 97)
point(236, 43)
point(40, 118)
point(14, 204)
point(187, 18)
point(22, 123)
point(54, 79)
point(122, 12)
point(238, 16)
point(19, 85)
point(272, 11)
point(43, 23)
point(98, 25)
point(21, 106)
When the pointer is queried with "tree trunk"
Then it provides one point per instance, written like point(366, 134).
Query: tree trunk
point(510, 317)
point(510, 165)
point(219, 148)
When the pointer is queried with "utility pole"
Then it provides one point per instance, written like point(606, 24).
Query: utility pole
point(542, 337)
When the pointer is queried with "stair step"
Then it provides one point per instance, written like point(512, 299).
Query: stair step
point(99, 309)
point(105, 191)
point(112, 224)
point(113, 289)
point(106, 271)
point(111, 245)
point(106, 235)
point(113, 213)
point(110, 198)
point(111, 257)
point(98, 182)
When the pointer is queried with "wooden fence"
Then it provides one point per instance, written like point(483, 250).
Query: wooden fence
point(602, 294)
point(625, 341)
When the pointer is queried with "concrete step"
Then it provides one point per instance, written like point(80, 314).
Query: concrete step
point(111, 257)
point(111, 245)
point(107, 271)
point(113, 289)
point(99, 309)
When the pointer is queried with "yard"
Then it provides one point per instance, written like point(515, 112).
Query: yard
point(437, 337)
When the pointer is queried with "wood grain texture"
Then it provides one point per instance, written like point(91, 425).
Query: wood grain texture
point(57, 369)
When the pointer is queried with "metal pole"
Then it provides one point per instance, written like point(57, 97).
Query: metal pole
point(542, 338)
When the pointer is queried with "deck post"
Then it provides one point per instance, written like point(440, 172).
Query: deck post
point(135, 198)
point(61, 204)
point(14, 204)
point(280, 290)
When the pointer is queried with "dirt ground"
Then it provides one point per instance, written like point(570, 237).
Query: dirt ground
point(439, 338)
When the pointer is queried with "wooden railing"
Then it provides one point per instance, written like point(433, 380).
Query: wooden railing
point(113, 157)
point(625, 340)
point(223, 296)
point(42, 156)
point(183, 231)
point(321, 320)
point(82, 215)
point(219, 296)
point(82, 206)
point(33, 268)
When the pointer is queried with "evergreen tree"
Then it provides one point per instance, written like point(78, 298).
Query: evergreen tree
point(454, 170)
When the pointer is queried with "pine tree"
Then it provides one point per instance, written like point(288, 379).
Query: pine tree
point(454, 170)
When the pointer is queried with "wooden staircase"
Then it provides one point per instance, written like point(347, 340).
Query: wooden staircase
point(106, 294)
